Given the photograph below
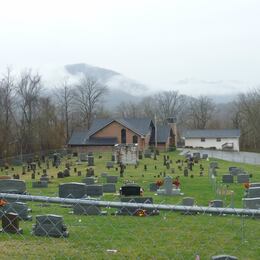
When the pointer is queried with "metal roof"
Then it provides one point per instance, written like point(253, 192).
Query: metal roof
point(163, 132)
point(211, 133)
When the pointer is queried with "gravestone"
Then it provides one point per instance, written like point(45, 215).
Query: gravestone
point(235, 171)
point(20, 208)
point(153, 187)
point(5, 177)
point(196, 156)
point(10, 223)
point(136, 210)
point(147, 154)
point(81, 209)
point(45, 179)
point(66, 173)
point(90, 172)
point(89, 180)
point(12, 186)
point(79, 173)
point(83, 157)
point(242, 178)
point(72, 190)
point(253, 192)
point(104, 174)
point(112, 179)
point(60, 175)
point(224, 257)
point(90, 161)
point(254, 184)
point(216, 203)
point(188, 201)
point(109, 188)
point(205, 156)
point(110, 165)
point(227, 178)
point(130, 190)
point(50, 226)
point(94, 190)
point(186, 172)
point(40, 184)
point(168, 189)
point(251, 203)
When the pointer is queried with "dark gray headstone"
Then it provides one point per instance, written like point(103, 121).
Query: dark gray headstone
point(227, 178)
point(40, 184)
point(12, 186)
point(254, 184)
point(216, 203)
point(50, 226)
point(80, 209)
point(89, 180)
point(19, 208)
point(130, 190)
point(112, 179)
point(109, 188)
point(251, 203)
point(188, 201)
point(94, 190)
point(110, 165)
point(90, 161)
point(72, 190)
point(242, 178)
point(253, 192)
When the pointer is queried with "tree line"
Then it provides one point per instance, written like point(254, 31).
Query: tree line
point(34, 118)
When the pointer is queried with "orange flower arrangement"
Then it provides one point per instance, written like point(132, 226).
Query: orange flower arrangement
point(246, 185)
point(2, 202)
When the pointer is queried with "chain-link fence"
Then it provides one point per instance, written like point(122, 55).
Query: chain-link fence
point(78, 213)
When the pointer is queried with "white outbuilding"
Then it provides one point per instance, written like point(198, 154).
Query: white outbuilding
point(220, 139)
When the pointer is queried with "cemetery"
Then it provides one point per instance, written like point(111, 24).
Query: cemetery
point(172, 179)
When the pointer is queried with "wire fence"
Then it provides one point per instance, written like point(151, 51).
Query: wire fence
point(75, 211)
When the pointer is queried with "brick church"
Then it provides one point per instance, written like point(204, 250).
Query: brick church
point(105, 133)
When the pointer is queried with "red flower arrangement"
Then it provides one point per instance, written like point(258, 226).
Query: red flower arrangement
point(159, 183)
point(176, 183)
point(2, 202)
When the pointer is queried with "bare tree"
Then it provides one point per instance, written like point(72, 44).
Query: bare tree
point(201, 111)
point(6, 110)
point(65, 95)
point(88, 95)
point(28, 91)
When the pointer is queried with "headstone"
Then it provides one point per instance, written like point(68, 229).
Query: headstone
point(251, 203)
point(153, 187)
point(110, 165)
point(5, 177)
point(79, 173)
point(66, 173)
point(147, 154)
point(216, 203)
point(89, 180)
point(83, 157)
point(60, 175)
point(130, 190)
point(40, 184)
point(135, 211)
point(12, 186)
point(109, 188)
point(242, 178)
point(224, 257)
point(10, 223)
point(94, 190)
point(254, 184)
point(90, 172)
point(188, 201)
point(90, 161)
point(80, 209)
point(227, 178)
point(205, 156)
point(104, 174)
point(253, 192)
point(20, 208)
point(50, 226)
point(196, 155)
point(112, 179)
point(45, 179)
point(186, 172)
point(168, 189)
point(72, 190)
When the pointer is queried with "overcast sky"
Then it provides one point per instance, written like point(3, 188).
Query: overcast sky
point(177, 44)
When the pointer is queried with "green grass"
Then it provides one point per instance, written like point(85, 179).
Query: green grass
point(170, 235)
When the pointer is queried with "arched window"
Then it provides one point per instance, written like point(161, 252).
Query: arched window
point(135, 139)
point(123, 136)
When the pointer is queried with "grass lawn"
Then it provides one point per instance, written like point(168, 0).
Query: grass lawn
point(170, 235)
